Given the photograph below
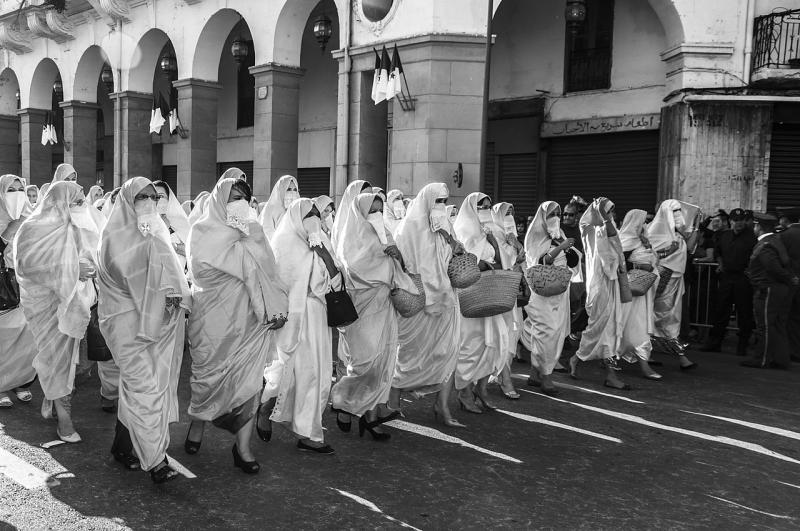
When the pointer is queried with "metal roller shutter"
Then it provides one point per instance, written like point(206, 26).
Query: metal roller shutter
point(314, 182)
point(783, 186)
point(169, 174)
point(245, 165)
point(620, 166)
point(518, 182)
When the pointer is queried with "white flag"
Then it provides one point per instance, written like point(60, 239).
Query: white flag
point(383, 79)
point(174, 121)
point(394, 87)
point(376, 77)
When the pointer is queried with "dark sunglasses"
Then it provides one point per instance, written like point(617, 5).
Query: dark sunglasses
point(142, 197)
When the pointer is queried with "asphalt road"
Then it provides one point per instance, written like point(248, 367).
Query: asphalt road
point(593, 458)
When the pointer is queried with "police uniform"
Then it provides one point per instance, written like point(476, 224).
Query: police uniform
point(791, 240)
point(732, 251)
point(772, 280)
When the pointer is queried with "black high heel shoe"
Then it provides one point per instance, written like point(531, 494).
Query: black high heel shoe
point(248, 467)
point(164, 473)
point(344, 426)
point(483, 402)
point(128, 460)
point(363, 426)
point(191, 447)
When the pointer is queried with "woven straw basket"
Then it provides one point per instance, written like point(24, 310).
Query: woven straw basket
point(641, 281)
point(406, 303)
point(463, 270)
point(495, 293)
point(548, 280)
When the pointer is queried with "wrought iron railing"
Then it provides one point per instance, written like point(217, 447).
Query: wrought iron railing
point(776, 40)
point(589, 69)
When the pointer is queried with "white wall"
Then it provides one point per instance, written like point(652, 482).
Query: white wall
point(528, 55)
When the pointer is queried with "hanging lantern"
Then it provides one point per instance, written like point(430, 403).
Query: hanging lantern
point(168, 64)
point(323, 28)
point(107, 77)
point(575, 14)
point(240, 50)
point(58, 88)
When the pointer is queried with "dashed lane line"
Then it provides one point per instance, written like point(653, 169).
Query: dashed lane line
point(788, 484)
point(763, 427)
point(374, 508)
point(752, 447)
point(537, 420)
point(436, 434)
point(585, 390)
point(780, 516)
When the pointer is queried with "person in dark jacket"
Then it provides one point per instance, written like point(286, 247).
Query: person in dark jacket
point(773, 284)
point(732, 250)
point(791, 240)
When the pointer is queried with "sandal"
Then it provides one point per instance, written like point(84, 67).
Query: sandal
point(163, 473)
point(5, 402)
point(129, 461)
point(23, 395)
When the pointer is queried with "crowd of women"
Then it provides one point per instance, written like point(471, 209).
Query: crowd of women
point(246, 287)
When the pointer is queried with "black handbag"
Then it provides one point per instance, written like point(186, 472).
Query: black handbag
point(9, 289)
point(341, 310)
point(96, 344)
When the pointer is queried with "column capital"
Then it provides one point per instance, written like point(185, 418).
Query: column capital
point(75, 104)
point(131, 94)
point(32, 111)
point(267, 68)
point(194, 82)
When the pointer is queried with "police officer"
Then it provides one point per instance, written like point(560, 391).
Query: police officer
point(791, 240)
point(773, 283)
point(732, 250)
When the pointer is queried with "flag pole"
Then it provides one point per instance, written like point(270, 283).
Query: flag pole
point(485, 110)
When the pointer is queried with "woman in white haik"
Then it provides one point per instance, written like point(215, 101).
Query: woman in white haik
point(327, 211)
point(512, 256)
point(638, 314)
point(19, 347)
point(394, 210)
point(369, 346)
point(666, 235)
point(429, 341)
point(55, 258)
point(174, 218)
point(483, 344)
point(604, 264)
point(284, 193)
point(306, 266)
point(547, 324)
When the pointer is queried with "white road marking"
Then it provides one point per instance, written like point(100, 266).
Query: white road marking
point(436, 434)
point(22, 472)
point(763, 427)
point(179, 468)
point(585, 390)
point(788, 484)
point(782, 517)
point(546, 422)
point(52, 444)
point(374, 508)
point(752, 447)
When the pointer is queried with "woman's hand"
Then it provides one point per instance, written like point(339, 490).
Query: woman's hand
point(276, 323)
point(484, 266)
point(394, 252)
point(85, 270)
point(457, 247)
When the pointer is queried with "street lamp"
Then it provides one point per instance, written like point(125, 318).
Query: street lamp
point(240, 50)
point(323, 28)
point(575, 14)
point(168, 64)
point(107, 77)
point(58, 88)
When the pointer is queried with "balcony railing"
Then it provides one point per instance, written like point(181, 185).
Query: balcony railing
point(776, 40)
point(588, 70)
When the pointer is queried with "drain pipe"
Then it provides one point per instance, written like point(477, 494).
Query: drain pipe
point(118, 113)
point(747, 65)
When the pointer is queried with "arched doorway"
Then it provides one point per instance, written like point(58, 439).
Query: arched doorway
point(46, 93)
point(10, 151)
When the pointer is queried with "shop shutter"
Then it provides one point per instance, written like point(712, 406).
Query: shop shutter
point(518, 182)
point(314, 182)
point(620, 166)
point(245, 165)
point(169, 174)
point(783, 186)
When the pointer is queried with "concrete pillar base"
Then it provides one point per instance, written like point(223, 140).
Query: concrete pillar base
point(80, 140)
point(37, 165)
point(136, 148)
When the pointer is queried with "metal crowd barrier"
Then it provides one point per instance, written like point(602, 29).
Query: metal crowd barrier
point(700, 294)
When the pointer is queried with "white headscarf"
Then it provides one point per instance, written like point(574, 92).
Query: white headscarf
point(178, 220)
point(661, 233)
point(8, 224)
point(425, 252)
point(390, 219)
point(348, 198)
point(538, 239)
point(274, 209)
point(470, 231)
point(63, 171)
point(631, 229)
point(199, 203)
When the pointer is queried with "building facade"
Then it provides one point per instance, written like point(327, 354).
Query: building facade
point(640, 100)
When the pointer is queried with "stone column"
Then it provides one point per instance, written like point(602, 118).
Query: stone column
point(276, 124)
point(80, 140)
point(132, 121)
point(37, 165)
point(9, 144)
point(445, 75)
point(197, 153)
